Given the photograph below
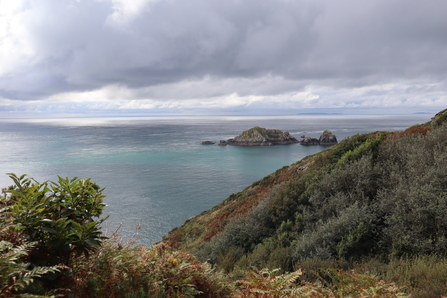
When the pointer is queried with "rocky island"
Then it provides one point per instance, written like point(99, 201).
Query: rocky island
point(326, 139)
point(259, 136)
point(208, 143)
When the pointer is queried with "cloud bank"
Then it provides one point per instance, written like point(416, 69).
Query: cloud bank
point(179, 56)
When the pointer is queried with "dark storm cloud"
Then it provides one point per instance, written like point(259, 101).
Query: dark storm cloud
point(86, 45)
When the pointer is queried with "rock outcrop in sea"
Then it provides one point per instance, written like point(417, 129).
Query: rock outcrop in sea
point(208, 143)
point(258, 136)
point(308, 141)
point(326, 139)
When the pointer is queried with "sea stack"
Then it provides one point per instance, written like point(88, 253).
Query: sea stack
point(326, 139)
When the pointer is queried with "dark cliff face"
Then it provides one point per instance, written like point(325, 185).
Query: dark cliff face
point(258, 136)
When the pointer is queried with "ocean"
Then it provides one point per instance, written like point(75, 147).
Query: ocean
point(155, 171)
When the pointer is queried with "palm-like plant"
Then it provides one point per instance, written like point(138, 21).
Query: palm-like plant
point(58, 216)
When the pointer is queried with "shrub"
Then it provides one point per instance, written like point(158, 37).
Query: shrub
point(321, 240)
point(59, 217)
point(240, 235)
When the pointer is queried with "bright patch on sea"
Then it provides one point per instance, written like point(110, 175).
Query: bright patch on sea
point(155, 170)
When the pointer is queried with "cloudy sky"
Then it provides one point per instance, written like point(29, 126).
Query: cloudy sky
point(222, 56)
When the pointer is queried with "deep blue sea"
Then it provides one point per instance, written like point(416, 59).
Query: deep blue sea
point(155, 170)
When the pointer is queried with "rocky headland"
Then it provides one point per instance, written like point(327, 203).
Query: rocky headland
point(258, 136)
point(326, 139)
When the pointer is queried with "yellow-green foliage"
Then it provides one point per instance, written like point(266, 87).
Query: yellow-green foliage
point(369, 146)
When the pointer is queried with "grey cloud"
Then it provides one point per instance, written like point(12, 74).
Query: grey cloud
point(339, 43)
point(383, 40)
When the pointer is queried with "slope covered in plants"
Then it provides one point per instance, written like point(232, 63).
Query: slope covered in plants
point(51, 246)
point(377, 195)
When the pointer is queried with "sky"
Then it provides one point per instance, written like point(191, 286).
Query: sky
point(222, 57)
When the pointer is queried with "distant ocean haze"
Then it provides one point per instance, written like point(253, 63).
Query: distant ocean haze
point(155, 170)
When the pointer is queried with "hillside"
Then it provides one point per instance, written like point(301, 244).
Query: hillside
point(382, 194)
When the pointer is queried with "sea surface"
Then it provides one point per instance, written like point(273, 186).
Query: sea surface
point(155, 171)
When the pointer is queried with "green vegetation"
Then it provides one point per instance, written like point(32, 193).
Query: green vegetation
point(260, 132)
point(372, 198)
point(15, 274)
point(51, 246)
point(261, 135)
point(364, 218)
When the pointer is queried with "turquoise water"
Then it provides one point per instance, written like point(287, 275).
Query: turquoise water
point(155, 170)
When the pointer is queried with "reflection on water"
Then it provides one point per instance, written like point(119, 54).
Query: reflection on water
point(155, 170)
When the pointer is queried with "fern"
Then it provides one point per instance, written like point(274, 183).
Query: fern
point(266, 283)
point(15, 275)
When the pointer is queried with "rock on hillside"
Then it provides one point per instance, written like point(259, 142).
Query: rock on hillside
point(258, 136)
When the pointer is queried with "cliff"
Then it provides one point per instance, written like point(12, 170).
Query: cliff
point(258, 136)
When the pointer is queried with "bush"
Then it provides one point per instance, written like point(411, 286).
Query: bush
point(58, 218)
point(241, 235)
point(321, 240)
